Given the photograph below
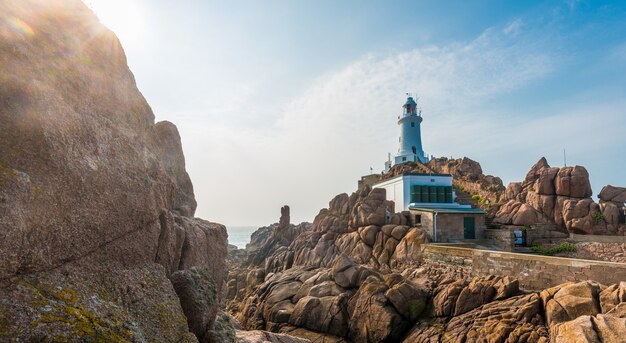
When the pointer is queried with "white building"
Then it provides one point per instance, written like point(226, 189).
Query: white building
point(420, 190)
point(410, 139)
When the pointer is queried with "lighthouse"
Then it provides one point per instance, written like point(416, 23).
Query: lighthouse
point(410, 139)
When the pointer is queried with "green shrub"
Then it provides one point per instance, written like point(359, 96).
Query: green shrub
point(416, 307)
point(598, 217)
point(563, 247)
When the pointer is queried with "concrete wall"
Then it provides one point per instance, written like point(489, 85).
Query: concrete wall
point(534, 272)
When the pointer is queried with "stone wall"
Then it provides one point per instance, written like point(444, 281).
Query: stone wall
point(502, 238)
point(534, 272)
point(597, 238)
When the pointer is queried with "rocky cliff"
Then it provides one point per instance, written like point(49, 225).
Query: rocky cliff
point(96, 208)
point(562, 196)
point(354, 278)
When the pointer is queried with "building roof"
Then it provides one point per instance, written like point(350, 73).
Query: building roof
point(448, 210)
point(411, 174)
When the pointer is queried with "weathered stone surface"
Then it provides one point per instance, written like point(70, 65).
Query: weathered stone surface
point(612, 296)
point(535, 171)
point(612, 193)
point(91, 141)
point(573, 182)
point(513, 190)
point(89, 183)
point(577, 330)
point(569, 301)
point(469, 176)
point(281, 235)
point(371, 210)
point(545, 181)
point(115, 305)
point(313, 336)
point(525, 215)
point(445, 300)
point(609, 328)
point(198, 297)
point(368, 234)
point(562, 196)
point(328, 314)
point(371, 319)
point(407, 299)
point(258, 336)
point(517, 213)
point(409, 250)
point(513, 320)
point(481, 291)
point(542, 203)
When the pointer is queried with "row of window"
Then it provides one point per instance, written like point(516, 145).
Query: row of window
point(431, 194)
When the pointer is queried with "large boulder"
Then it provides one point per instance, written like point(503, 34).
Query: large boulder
point(612, 193)
point(535, 171)
point(120, 305)
point(89, 183)
point(545, 181)
point(573, 182)
point(370, 209)
point(570, 301)
point(83, 133)
point(198, 297)
point(372, 319)
point(516, 319)
point(578, 330)
point(513, 190)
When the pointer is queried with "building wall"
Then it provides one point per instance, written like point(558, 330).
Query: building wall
point(394, 189)
point(410, 136)
point(450, 226)
point(399, 188)
point(534, 272)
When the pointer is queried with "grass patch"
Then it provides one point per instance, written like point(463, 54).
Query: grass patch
point(563, 247)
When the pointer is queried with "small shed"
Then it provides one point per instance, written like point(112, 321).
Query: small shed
point(450, 224)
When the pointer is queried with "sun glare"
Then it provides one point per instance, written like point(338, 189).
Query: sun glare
point(124, 17)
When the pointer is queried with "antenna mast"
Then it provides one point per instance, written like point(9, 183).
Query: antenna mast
point(564, 158)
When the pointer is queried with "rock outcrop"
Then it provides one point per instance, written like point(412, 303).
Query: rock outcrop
point(562, 196)
point(354, 278)
point(468, 176)
point(613, 194)
point(96, 207)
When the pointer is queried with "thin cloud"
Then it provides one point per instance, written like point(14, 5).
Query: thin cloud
point(345, 122)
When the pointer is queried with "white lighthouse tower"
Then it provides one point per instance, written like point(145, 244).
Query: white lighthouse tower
point(410, 140)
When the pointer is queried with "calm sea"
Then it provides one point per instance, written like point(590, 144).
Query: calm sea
point(240, 235)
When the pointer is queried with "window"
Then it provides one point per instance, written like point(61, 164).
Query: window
point(403, 159)
point(414, 150)
point(399, 139)
point(432, 180)
point(412, 124)
point(418, 219)
point(622, 216)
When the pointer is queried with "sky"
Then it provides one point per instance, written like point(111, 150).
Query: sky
point(291, 102)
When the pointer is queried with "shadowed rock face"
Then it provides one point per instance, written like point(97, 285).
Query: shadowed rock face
point(89, 184)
